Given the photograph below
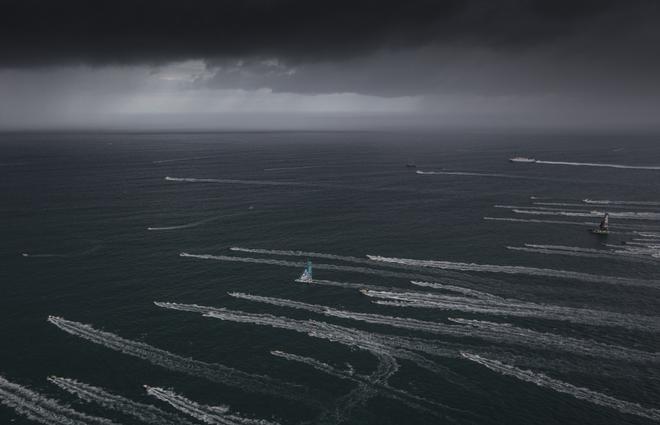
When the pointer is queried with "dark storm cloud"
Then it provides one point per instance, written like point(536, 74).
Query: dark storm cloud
point(37, 32)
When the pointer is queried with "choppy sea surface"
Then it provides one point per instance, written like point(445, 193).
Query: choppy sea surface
point(150, 278)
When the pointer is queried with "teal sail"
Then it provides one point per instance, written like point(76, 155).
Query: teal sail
point(306, 275)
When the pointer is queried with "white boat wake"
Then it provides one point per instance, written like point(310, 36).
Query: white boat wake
point(377, 381)
point(238, 181)
point(474, 174)
point(143, 412)
point(68, 255)
point(319, 266)
point(623, 253)
point(596, 164)
point(212, 371)
point(563, 387)
point(326, 256)
point(516, 308)
point(531, 271)
point(525, 220)
point(290, 253)
point(346, 285)
point(587, 203)
point(507, 333)
point(628, 215)
point(502, 333)
point(214, 415)
point(590, 224)
point(378, 344)
point(42, 409)
point(459, 289)
point(609, 202)
point(386, 367)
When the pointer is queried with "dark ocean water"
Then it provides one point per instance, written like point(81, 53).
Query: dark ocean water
point(80, 205)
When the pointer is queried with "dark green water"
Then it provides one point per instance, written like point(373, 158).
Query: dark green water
point(80, 206)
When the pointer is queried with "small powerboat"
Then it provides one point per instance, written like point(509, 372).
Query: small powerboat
point(521, 159)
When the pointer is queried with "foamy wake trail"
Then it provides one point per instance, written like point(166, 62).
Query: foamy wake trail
point(377, 344)
point(40, 408)
point(565, 222)
point(563, 387)
point(588, 212)
point(612, 256)
point(531, 271)
point(545, 208)
point(194, 224)
point(319, 266)
point(215, 415)
point(625, 215)
point(143, 412)
point(360, 286)
point(452, 288)
point(644, 241)
point(212, 371)
point(319, 185)
point(566, 248)
point(378, 380)
point(525, 220)
point(494, 332)
point(559, 204)
point(557, 252)
point(632, 215)
point(654, 235)
point(608, 202)
point(343, 407)
point(236, 181)
point(399, 322)
point(348, 259)
point(517, 308)
point(347, 285)
point(626, 254)
point(596, 164)
point(474, 174)
point(318, 365)
point(308, 254)
point(504, 332)
point(583, 205)
point(68, 255)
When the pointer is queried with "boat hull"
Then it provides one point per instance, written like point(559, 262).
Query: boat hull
point(522, 160)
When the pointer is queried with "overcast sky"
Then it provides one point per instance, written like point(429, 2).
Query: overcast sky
point(329, 64)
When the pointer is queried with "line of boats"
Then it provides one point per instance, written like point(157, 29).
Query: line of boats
point(603, 227)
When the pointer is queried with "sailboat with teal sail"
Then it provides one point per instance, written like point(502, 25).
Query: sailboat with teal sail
point(306, 276)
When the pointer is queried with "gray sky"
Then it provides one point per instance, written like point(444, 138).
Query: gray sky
point(360, 64)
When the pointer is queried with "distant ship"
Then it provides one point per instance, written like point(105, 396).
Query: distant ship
point(306, 276)
point(604, 227)
point(411, 164)
point(521, 159)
